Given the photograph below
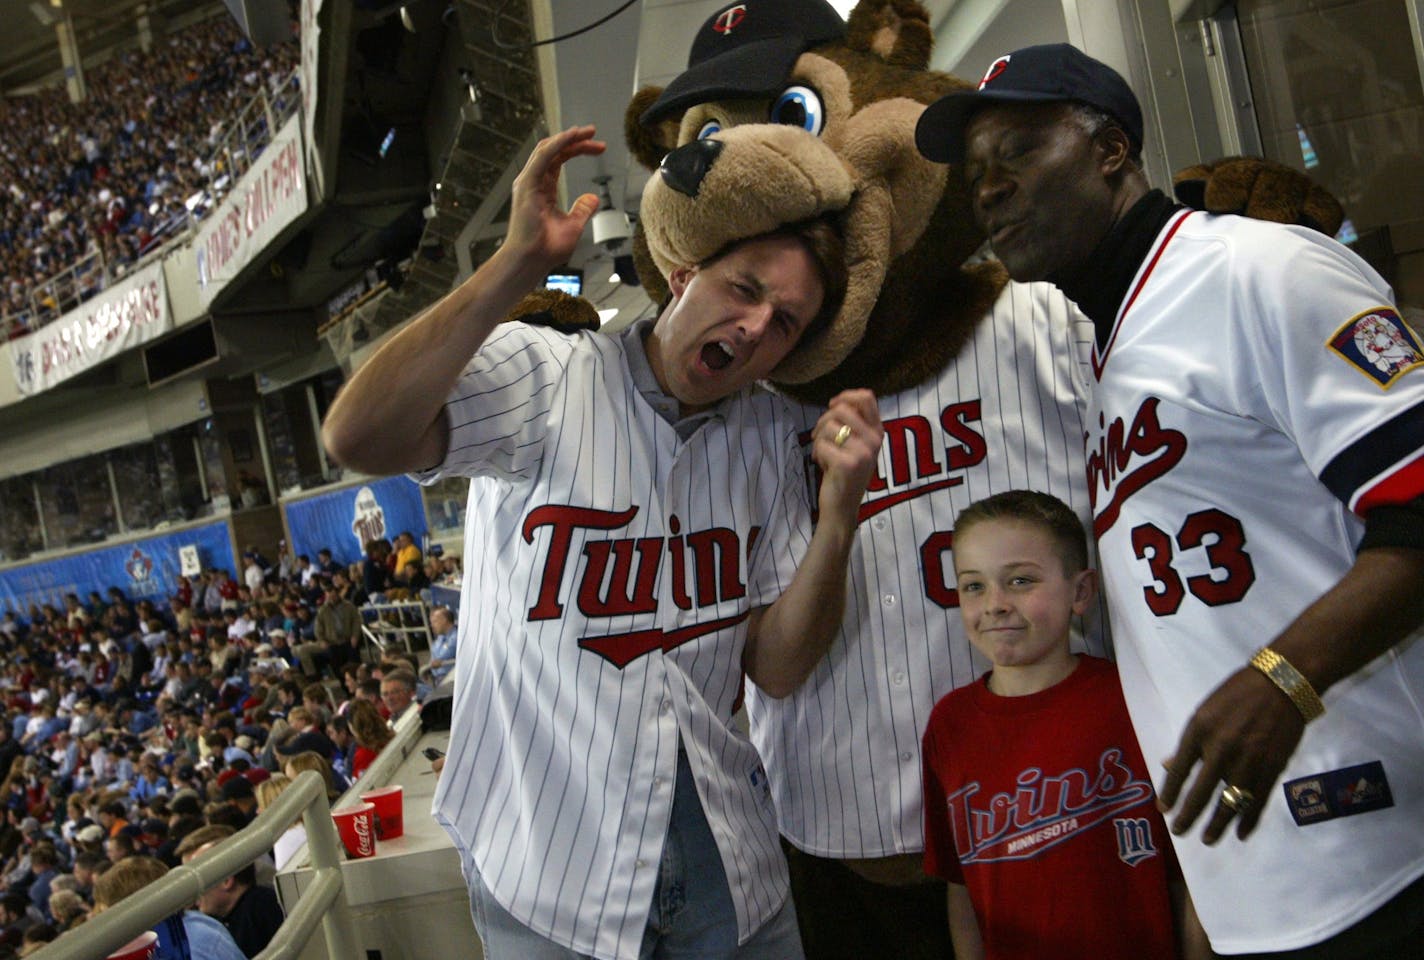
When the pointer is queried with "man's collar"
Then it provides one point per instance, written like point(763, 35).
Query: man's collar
point(635, 347)
point(1101, 286)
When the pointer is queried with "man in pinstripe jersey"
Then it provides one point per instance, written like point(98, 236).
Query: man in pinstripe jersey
point(639, 537)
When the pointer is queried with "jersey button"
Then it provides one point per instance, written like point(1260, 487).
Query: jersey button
point(888, 599)
point(665, 706)
point(640, 863)
point(657, 783)
point(907, 756)
point(881, 523)
point(899, 678)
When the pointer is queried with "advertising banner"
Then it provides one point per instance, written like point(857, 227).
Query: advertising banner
point(140, 568)
point(268, 197)
point(343, 520)
point(129, 313)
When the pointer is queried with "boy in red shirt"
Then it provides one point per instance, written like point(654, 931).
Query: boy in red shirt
point(1038, 807)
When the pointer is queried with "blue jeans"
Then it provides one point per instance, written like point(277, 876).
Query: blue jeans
point(692, 916)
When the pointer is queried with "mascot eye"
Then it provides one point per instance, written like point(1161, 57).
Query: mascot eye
point(709, 128)
point(799, 107)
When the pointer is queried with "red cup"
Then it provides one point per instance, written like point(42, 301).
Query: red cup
point(142, 947)
point(390, 811)
point(356, 825)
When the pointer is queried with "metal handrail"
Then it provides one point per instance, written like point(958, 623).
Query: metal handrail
point(321, 902)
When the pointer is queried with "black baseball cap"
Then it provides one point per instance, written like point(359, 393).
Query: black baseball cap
point(746, 49)
point(1042, 74)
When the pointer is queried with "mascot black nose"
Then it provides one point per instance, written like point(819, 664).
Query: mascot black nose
point(685, 167)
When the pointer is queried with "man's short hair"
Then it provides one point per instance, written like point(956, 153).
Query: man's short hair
point(1093, 121)
point(821, 238)
point(1042, 510)
point(402, 676)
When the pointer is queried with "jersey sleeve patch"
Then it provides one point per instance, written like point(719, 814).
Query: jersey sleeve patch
point(1379, 344)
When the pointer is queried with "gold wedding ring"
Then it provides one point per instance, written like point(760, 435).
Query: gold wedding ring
point(842, 435)
point(1237, 798)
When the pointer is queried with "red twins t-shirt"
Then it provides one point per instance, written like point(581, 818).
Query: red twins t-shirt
point(1042, 806)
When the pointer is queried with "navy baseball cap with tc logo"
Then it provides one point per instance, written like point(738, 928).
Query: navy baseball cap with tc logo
point(746, 50)
point(1042, 74)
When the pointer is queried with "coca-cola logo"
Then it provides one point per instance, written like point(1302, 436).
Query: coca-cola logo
point(365, 842)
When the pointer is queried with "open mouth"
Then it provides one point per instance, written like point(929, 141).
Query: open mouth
point(717, 355)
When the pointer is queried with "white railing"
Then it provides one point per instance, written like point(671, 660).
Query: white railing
point(382, 624)
point(323, 902)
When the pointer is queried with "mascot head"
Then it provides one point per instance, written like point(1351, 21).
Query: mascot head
point(787, 112)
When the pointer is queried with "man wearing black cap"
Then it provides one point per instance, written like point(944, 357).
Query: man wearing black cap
point(1256, 462)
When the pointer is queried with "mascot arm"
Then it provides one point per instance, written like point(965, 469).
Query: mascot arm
point(1260, 189)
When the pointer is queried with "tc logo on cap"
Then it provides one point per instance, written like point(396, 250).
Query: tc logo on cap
point(995, 68)
point(729, 19)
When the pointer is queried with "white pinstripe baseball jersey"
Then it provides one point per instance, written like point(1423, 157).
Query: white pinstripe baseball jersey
point(843, 752)
point(1256, 383)
point(610, 564)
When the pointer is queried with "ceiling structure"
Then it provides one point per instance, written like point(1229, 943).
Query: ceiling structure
point(397, 80)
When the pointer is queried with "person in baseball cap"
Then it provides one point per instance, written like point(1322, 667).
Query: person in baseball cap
point(745, 50)
point(1048, 73)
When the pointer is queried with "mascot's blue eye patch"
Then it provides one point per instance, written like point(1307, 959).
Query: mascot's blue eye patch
point(709, 128)
point(799, 106)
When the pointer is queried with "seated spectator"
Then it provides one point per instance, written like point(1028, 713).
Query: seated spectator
point(372, 733)
point(309, 760)
point(68, 909)
point(205, 937)
point(442, 644)
point(295, 836)
point(398, 692)
point(249, 912)
point(309, 736)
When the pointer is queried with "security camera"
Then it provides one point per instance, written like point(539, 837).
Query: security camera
point(611, 228)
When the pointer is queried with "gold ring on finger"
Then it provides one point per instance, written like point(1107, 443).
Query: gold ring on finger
point(1238, 799)
point(842, 435)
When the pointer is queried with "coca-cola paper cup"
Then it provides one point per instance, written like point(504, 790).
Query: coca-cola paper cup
point(390, 811)
point(357, 826)
point(142, 947)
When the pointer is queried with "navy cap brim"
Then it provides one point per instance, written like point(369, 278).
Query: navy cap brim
point(939, 134)
point(755, 69)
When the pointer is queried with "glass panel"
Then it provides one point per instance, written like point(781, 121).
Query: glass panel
point(19, 520)
point(281, 447)
point(78, 502)
point(1337, 92)
point(445, 508)
point(211, 450)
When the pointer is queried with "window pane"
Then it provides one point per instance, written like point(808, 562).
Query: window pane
point(19, 520)
point(1337, 92)
point(77, 502)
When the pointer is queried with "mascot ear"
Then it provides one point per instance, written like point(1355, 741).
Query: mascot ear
point(648, 143)
point(896, 31)
point(1260, 189)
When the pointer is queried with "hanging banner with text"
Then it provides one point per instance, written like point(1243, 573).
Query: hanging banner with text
point(129, 313)
point(149, 567)
point(342, 521)
point(267, 198)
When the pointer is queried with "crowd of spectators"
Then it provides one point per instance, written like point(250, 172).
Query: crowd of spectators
point(114, 175)
point(138, 734)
